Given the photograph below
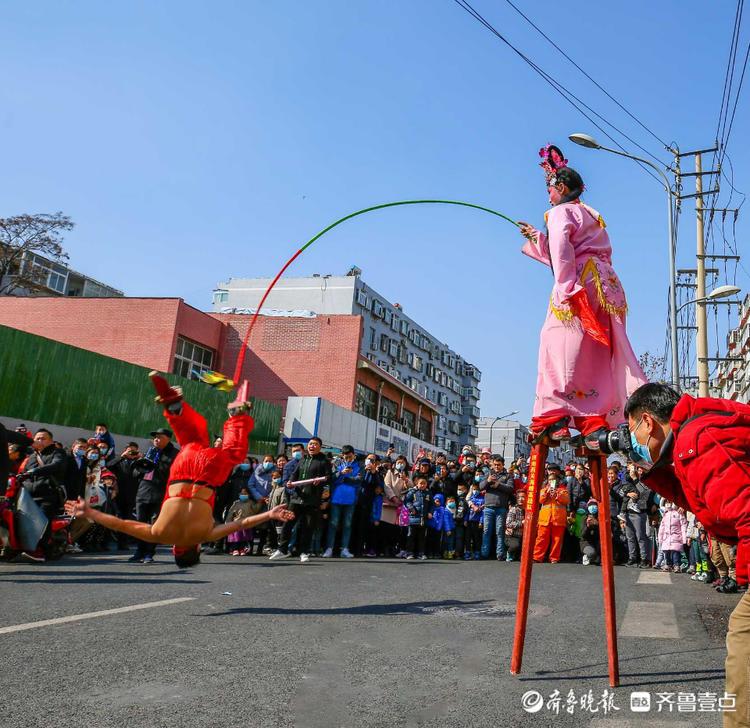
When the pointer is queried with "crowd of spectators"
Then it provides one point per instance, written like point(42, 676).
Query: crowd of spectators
point(470, 507)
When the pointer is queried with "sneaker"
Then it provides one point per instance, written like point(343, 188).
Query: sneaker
point(73, 548)
point(327, 553)
point(477, 556)
point(467, 557)
point(37, 556)
point(632, 562)
point(644, 565)
point(509, 558)
point(691, 570)
point(563, 433)
point(591, 441)
point(246, 552)
point(585, 560)
point(422, 557)
point(401, 554)
point(703, 577)
point(148, 559)
point(728, 587)
point(267, 551)
point(696, 576)
point(346, 554)
point(236, 552)
point(304, 558)
point(501, 557)
point(409, 557)
point(371, 554)
point(720, 582)
point(278, 554)
point(135, 559)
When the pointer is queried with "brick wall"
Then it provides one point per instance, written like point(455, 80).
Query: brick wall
point(141, 331)
point(304, 357)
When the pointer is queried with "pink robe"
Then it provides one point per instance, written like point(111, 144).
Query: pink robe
point(578, 376)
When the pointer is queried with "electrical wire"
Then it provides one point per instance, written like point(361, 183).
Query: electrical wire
point(598, 85)
point(564, 92)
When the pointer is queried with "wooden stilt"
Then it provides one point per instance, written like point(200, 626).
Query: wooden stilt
point(531, 518)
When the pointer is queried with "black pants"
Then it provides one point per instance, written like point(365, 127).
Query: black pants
point(460, 532)
point(377, 537)
point(513, 545)
point(473, 537)
point(307, 518)
point(415, 543)
point(433, 542)
point(146, 512)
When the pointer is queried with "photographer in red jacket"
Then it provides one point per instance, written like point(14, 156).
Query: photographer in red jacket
point(697, 453)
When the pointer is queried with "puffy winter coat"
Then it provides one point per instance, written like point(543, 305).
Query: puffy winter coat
point(672, 530)
point(710, 470)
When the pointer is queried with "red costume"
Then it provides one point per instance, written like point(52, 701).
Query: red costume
point(710, 474)
point(199, 464)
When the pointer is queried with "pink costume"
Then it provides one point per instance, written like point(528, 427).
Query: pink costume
point(578, 376)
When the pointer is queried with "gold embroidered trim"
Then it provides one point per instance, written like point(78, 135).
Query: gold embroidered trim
point(590, 269)
point(561, 314)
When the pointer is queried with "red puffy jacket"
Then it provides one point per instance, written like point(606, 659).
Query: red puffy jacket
point(711, 471)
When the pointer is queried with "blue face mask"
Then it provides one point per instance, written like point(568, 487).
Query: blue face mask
point(267, 466)
point(477, 478)
point(244, 466)
point(593, 510)
point(244, 497)
point(297, 455)
point(640, 450)
point(277, 481)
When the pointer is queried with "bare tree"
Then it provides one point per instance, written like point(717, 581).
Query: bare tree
point(21, 237)
point(653, 366)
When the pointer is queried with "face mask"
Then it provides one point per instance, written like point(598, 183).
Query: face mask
point(369, 462)
point(581, 511)
point(553, 481)
point(477, 478)
point(461, 493)
point(277, 481)
point(267, 466)
point(641, 451)
point(465, 452)
point(400, 467)
point(244, 466)
point(297, 455)
point(451, 507)
point(93, 456)
point(244, 497)
point(593, 510)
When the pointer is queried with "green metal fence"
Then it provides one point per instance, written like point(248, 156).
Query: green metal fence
point(46, 381)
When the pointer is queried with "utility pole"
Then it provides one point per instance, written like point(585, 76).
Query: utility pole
point(701, 342)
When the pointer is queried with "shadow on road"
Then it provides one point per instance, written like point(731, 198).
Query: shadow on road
point(375, 610)
point(97, 577)
point(681, 676)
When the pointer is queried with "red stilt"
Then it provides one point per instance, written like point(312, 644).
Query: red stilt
point(598, 466)
point(531, 518)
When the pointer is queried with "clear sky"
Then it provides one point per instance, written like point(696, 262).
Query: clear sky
point(195, 141)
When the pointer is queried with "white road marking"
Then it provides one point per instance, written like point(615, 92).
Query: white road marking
point(654, 577)
point(92, 615)
point(650, 619)
point(625, 723)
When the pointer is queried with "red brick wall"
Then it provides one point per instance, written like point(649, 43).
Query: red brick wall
point(305, 357)
point(137, 330)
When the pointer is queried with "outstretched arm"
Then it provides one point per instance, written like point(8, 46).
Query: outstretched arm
point(536, 245)
point(81, 509)
point(279, 513)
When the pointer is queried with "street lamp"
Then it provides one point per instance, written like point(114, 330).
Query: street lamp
point(585, 140)
point(716, 294)
point(497, 419)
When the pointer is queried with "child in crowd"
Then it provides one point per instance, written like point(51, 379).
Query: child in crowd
point(462, 513)
point(435, 520)
point(589, 539)
point(240, 542)
point(475, 502)
point(703, 567)
point(514, 527)
point(417, 502)
point(672, 536)
point(375, 537)
point(278, 497)
point(449, 529)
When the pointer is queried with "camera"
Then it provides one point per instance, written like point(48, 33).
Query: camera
point(617, 441)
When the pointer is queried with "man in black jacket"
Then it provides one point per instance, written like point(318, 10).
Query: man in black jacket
point(8, 437)
point(498, 490)
point(304, 500)
point(153, 472)
point(75, 470)
point(44, 473)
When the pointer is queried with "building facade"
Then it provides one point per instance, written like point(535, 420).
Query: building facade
point(392, 342)
point(732, 380)
point(57, 279)
point(508, 438)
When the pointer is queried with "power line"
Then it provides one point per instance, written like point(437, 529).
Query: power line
point(564, 92)
point(599, 86)
point(729, 74)
point(725, 141)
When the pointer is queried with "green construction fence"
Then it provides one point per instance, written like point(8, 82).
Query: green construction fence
point(47, 381)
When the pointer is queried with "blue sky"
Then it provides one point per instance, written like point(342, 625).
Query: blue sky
point(191, 142)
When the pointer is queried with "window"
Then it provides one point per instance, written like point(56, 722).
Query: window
point(442, 422)
point(362, 298)
point(57, 281)
point(394, 323)
point(393, 349)
point(403, 354)
point(191, 359)
point(404, 328)
point(415, 362)
point(425, 428)
point(365, 401)
point(387, 316)
point(373, 339)
point(442, 399)
point(384, 342)
point(453, 427)
point(430, 370)
point(388, 410)
point(409, 421)
point(377, 309)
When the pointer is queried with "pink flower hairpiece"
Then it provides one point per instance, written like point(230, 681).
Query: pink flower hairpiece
point(553, 161)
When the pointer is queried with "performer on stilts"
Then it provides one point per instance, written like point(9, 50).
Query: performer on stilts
point(587, 368)
point(186, 516)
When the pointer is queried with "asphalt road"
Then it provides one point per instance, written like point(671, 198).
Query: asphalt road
point(345, 643)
